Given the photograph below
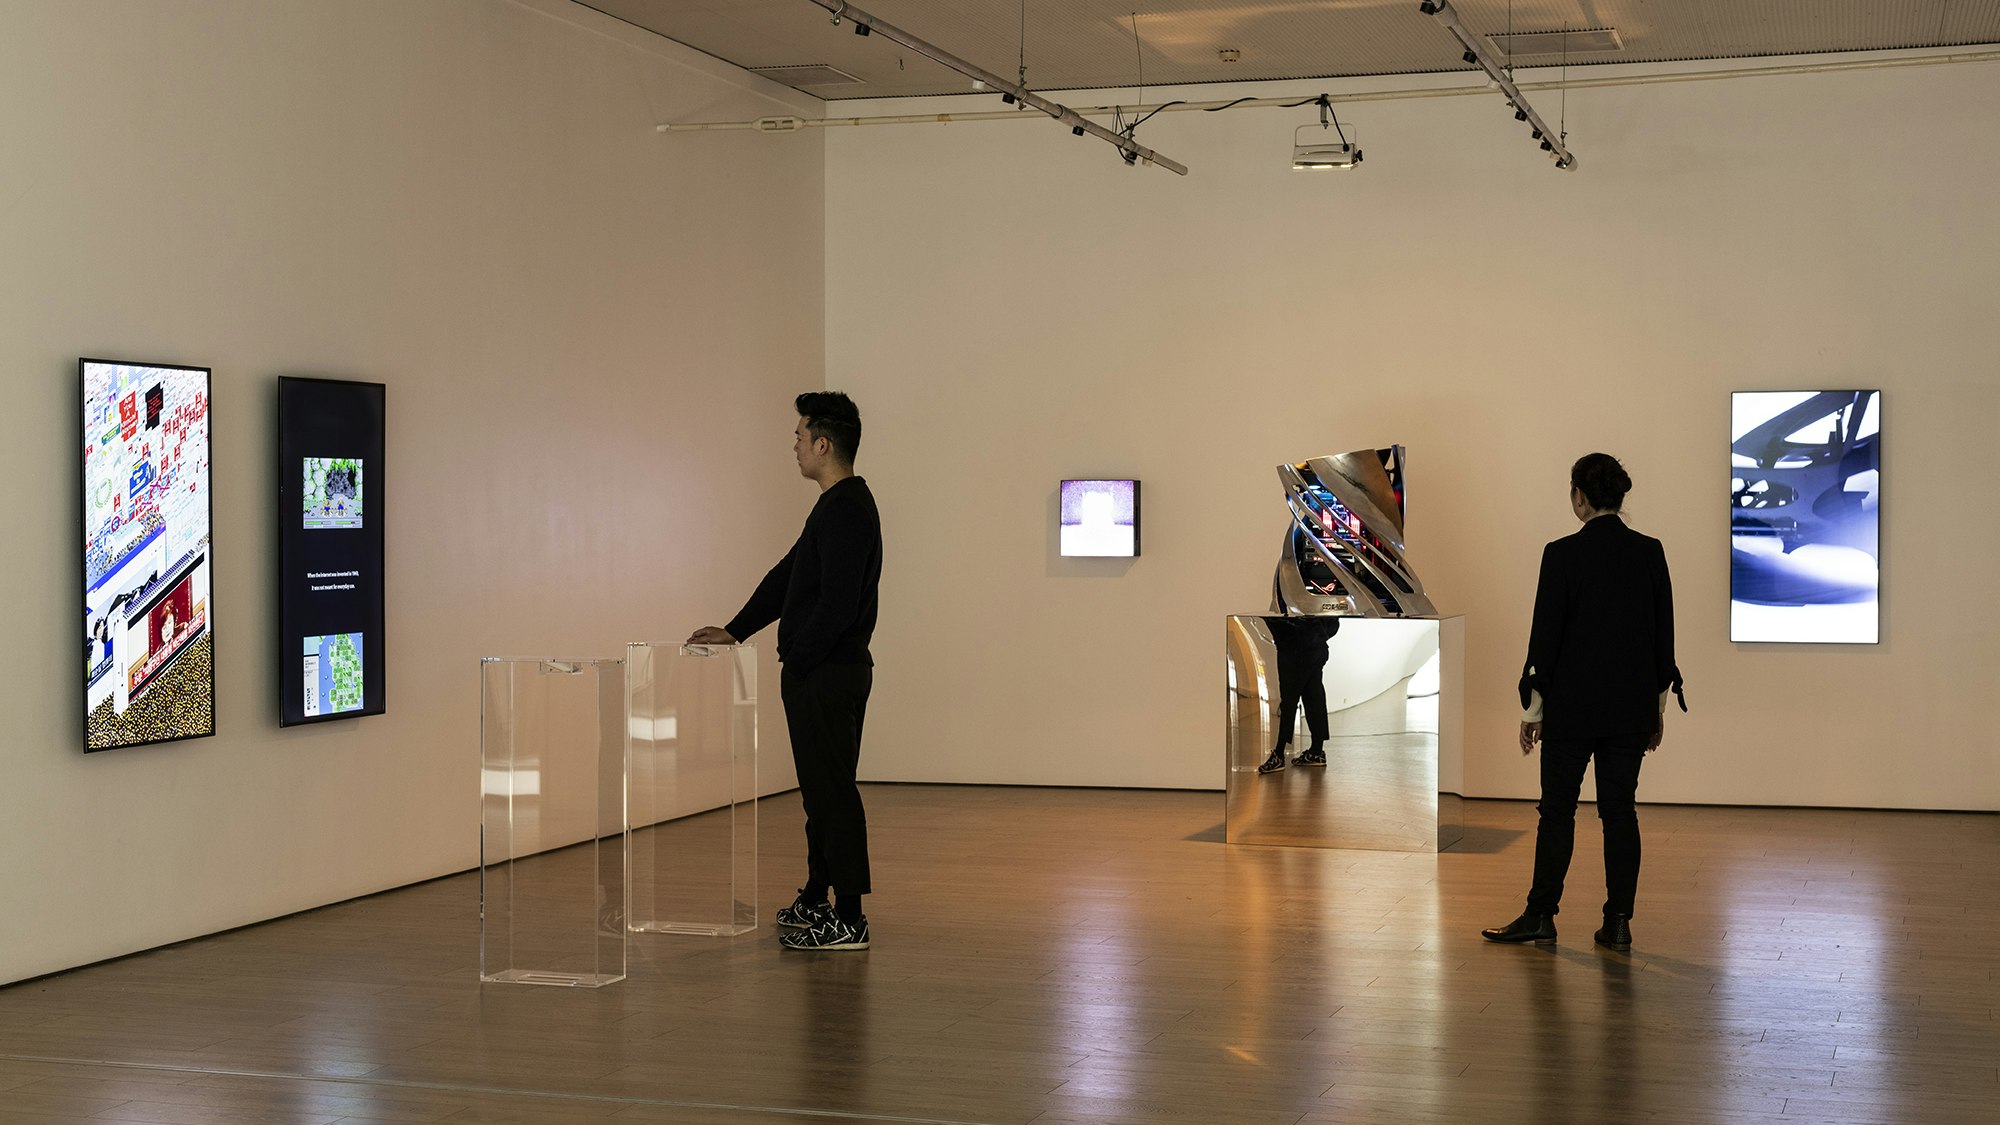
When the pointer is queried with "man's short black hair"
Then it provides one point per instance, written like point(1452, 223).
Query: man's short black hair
point(833, 416)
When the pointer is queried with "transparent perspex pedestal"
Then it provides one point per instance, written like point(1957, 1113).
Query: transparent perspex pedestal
point(553, 846)
point(691, 753)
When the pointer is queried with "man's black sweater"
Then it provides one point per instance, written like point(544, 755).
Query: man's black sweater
point(822, 593)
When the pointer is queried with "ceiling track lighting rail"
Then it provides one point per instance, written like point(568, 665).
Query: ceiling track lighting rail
point(790, 124)
point(865, 24)
point(1551, 139)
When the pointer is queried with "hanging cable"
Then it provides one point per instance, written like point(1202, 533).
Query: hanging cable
point(1138, 53)
point(1022, 81)
point(1229, 105)
point(1156, 109)
point(1326, 115)
point(1562, 111)
point(1127, 131)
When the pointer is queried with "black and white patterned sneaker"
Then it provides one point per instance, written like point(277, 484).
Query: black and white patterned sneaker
point(1313, 757)
point(802, 915)
point(829, 932)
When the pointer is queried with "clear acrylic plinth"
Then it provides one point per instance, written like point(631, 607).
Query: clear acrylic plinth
point(553, 846)
point(691, 749)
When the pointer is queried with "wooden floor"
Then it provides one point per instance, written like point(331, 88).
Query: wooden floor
point(1065, 956)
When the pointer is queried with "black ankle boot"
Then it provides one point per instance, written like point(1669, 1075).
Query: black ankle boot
point(1528, 929)
point(1616, 934)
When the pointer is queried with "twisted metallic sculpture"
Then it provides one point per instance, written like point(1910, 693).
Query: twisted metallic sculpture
point(1343, 553)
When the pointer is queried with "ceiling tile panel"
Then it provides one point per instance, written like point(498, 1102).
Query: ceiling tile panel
point(1969, 21)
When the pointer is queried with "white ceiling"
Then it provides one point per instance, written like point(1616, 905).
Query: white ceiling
point(1088, 44)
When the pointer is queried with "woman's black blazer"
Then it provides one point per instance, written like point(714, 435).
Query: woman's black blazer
point(1601, 649)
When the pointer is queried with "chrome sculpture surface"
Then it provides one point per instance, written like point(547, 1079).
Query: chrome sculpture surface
point(1385, 764)
point(1343, 553)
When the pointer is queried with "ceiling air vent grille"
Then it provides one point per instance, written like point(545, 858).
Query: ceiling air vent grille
point(1546, 45)
point(815, 74)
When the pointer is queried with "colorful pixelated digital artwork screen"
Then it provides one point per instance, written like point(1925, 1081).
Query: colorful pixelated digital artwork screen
point(147, 616)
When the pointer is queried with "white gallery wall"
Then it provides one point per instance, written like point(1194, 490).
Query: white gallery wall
point(590, 335)
point(1012, 306)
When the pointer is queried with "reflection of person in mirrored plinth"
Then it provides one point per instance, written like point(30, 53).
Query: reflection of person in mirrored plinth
point(1600, 666)
point(822, 594)
point(1301, 644)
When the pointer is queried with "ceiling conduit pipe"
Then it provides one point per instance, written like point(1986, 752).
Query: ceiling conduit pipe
point(786, 124)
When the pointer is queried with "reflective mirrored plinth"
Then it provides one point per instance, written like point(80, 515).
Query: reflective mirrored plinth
point(552, 839)
point(1385, 699)
point(691, 733)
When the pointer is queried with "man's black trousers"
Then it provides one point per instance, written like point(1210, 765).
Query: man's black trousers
point(824, 709)
point(1301, 681)
point(1563, 762)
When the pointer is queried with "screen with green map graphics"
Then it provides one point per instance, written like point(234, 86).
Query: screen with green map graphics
point(333, 680)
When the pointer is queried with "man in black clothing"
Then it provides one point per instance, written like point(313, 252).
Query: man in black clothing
point(823, 596)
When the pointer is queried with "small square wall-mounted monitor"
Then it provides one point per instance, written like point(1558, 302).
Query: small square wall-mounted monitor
point(1100, 519)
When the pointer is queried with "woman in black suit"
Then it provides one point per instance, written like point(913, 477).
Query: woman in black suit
point(1600, 665)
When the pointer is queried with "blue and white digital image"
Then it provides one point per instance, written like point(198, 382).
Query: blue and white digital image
point(1804, 516)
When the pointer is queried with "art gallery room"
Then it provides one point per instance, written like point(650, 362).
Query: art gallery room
point(402, 384)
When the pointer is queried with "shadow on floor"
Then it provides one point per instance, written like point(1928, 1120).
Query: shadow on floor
point(1485, 839)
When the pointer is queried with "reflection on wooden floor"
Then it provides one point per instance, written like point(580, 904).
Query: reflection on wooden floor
point(1066, 956)
point(1378, 788)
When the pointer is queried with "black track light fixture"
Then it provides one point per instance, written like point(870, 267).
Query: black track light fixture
point(866, 24)
point(1498, 77)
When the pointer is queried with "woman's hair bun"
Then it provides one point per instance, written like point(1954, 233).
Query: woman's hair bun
point(1602, 480)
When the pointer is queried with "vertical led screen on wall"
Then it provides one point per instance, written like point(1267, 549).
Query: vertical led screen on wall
point(1804, 527)
point(330, 475)
point(1100, 518)
point(148, 637)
